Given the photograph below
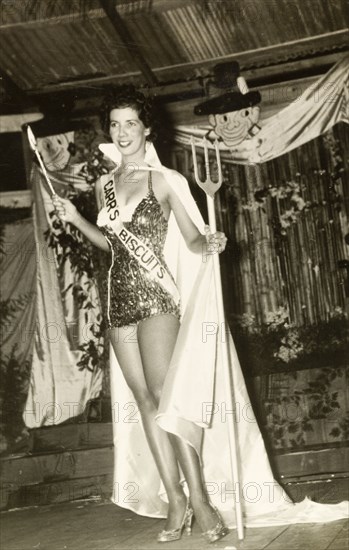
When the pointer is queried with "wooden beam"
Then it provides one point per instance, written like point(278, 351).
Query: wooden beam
point(251, 64)
point(274, 56)
point(16, 199)
point(12, 88)
point(261, 75)
point(74, 16)
point(169, 5)
point(128, 40)
point(256, 78)
point(271, 55)
point(274, 97)
point(312, 464)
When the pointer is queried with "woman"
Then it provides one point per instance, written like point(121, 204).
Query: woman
point(134, 204)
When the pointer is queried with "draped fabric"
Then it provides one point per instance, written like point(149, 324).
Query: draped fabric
point(18, 276)
point(193, 404)
point(18, 314)
point(317, 110)
point(58, 388)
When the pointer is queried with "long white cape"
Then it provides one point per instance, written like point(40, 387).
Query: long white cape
point(193, 402)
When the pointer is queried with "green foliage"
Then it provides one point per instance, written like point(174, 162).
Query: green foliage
point(15, 374)
point(85, 262)
point(95, 353)
point(277, 346)
point(68, 243)
point(95, 167)
point(341, 430)
point(289, 417)
point(9, 309)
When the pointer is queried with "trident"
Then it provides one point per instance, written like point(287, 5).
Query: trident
point(210, 188)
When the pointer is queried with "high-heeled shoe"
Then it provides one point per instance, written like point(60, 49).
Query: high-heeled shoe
point(219, 530)
point(175, 534)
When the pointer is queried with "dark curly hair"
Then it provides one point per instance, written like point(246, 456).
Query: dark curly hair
point(128, 96)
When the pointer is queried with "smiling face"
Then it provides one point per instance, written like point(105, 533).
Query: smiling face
point(234, 127)
point(55, 150)
point(128, 133)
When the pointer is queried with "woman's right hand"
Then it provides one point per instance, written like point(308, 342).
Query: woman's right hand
point(68, 213)
point(65, 209)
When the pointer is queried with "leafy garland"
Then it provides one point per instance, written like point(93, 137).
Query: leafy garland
point(69, 244)
point(288, 197)
point(277, 345)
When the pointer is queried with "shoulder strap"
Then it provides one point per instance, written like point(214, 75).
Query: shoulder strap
point(150, 181)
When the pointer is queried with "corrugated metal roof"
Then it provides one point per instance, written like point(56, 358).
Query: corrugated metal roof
point(55, 41)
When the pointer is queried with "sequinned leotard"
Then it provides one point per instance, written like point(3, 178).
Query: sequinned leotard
point(132, 294)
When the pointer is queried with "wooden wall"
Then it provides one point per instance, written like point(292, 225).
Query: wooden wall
point(279, 256)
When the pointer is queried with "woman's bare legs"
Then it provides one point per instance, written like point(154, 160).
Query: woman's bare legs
point(157, 337)
point(191, 467)
point(129, 357)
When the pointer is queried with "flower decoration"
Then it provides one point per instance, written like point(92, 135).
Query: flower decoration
point(95, 167)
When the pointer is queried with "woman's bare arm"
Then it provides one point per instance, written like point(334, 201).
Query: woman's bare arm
point(67, 212)
point(196, 241)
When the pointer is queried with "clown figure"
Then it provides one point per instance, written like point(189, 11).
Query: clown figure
point(56, 150)
point(235, 126)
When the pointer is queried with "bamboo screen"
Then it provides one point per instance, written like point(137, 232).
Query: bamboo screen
point(286, 221)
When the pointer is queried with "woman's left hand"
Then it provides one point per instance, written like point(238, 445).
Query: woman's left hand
point(216, 242)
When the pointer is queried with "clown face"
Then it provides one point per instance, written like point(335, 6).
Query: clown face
point(54, 150)
point(236, 126)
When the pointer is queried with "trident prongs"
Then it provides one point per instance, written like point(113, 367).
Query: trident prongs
point(209, 186)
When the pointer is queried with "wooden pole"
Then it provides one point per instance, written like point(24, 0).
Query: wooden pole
point(228, 381)
point(210, 189)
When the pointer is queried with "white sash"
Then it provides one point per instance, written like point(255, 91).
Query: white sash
point(109, 215)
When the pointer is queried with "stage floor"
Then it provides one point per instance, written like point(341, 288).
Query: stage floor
point(99, 525)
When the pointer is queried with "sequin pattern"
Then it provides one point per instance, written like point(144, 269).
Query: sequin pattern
point(132, 294)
